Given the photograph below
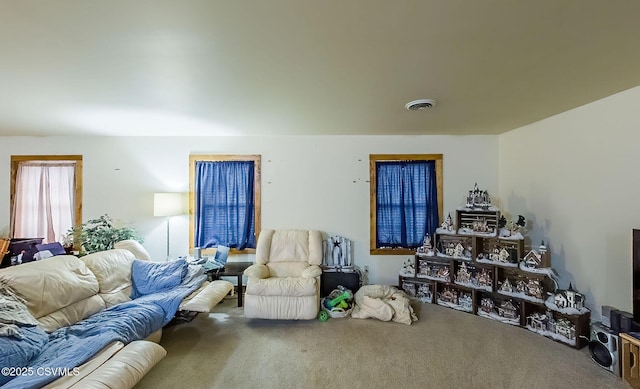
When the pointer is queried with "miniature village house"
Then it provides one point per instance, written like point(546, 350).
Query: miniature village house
point(534, 288)
point(424, 292)
point(487, 305)
point(537, 259)
point(458, 250)
point(449, 296)
point(569, 298)
point(480, 225)
point(484, 278)
point(465, 301)
point(426, 247)
point(478, 198)
point(463, 275)
point(506, 286)
point(409, 288)
point(508, 310)
point(544, 322)
point(443, 272)
point(539, 321)
point(499, 255)
point(453, 249)
point(565, 328)
point(424, 269)
point(447, 225)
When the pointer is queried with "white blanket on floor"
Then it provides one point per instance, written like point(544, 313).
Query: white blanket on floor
point(383, 302)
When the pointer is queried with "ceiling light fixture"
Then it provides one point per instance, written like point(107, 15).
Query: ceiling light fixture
point(417, 105)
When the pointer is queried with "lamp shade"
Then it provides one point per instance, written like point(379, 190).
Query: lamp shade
point(169, 204)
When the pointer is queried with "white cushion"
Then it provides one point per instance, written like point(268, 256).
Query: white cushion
point(125, 368)
point(289, 286)
point(52, 284)
point(206, 297)
point(289, 245)
point(287, 269)
point(281, 307)
point(112, 269)
point(88, 367)
point(72, 313)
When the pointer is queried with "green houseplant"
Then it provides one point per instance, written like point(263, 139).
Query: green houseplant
point(101, 234)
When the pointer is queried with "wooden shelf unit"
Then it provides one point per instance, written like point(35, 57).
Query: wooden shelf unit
point(485, 277)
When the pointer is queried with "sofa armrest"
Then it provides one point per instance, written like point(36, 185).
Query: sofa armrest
point(125, 368)
point(208, 297)
point(257, 271)
point(115, 366)
point(312, 272)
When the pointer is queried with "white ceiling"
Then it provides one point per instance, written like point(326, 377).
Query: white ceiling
point(122, 67)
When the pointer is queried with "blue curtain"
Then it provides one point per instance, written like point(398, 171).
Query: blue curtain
point(224, 204)
point(407, 203)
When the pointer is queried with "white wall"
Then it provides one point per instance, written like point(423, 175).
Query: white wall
point(575, 177)
point(307, 182)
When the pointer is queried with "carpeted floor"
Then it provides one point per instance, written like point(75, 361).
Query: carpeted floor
point(444, 349)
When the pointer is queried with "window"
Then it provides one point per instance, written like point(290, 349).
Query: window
point(46, 196)
point(224, 201)
point(405, 201)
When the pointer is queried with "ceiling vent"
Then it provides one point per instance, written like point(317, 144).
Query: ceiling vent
point(421, 104)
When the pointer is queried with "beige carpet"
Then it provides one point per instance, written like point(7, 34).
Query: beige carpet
point(444, 349)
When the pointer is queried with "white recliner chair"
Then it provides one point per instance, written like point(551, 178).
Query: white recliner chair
point(284, 283)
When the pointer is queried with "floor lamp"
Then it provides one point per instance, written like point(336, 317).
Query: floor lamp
point(169, 204)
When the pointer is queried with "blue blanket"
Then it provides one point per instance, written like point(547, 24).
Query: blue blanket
point(153, 277)
point(156, 305)
point(165, 284)
point(18, 351)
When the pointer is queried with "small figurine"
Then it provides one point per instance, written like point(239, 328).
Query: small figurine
point(512, 230)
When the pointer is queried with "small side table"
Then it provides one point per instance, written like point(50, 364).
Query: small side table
point(329, 280)
point(231, 269)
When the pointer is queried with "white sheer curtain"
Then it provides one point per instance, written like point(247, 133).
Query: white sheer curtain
point(44, 206)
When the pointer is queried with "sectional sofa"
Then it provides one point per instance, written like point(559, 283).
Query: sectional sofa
point(75, 324)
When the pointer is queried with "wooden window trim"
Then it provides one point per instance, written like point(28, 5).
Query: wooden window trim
point(17, 159)
point(256, 193)
point(373, 159)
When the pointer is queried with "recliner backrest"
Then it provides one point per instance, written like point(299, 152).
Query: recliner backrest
point(288, 252)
